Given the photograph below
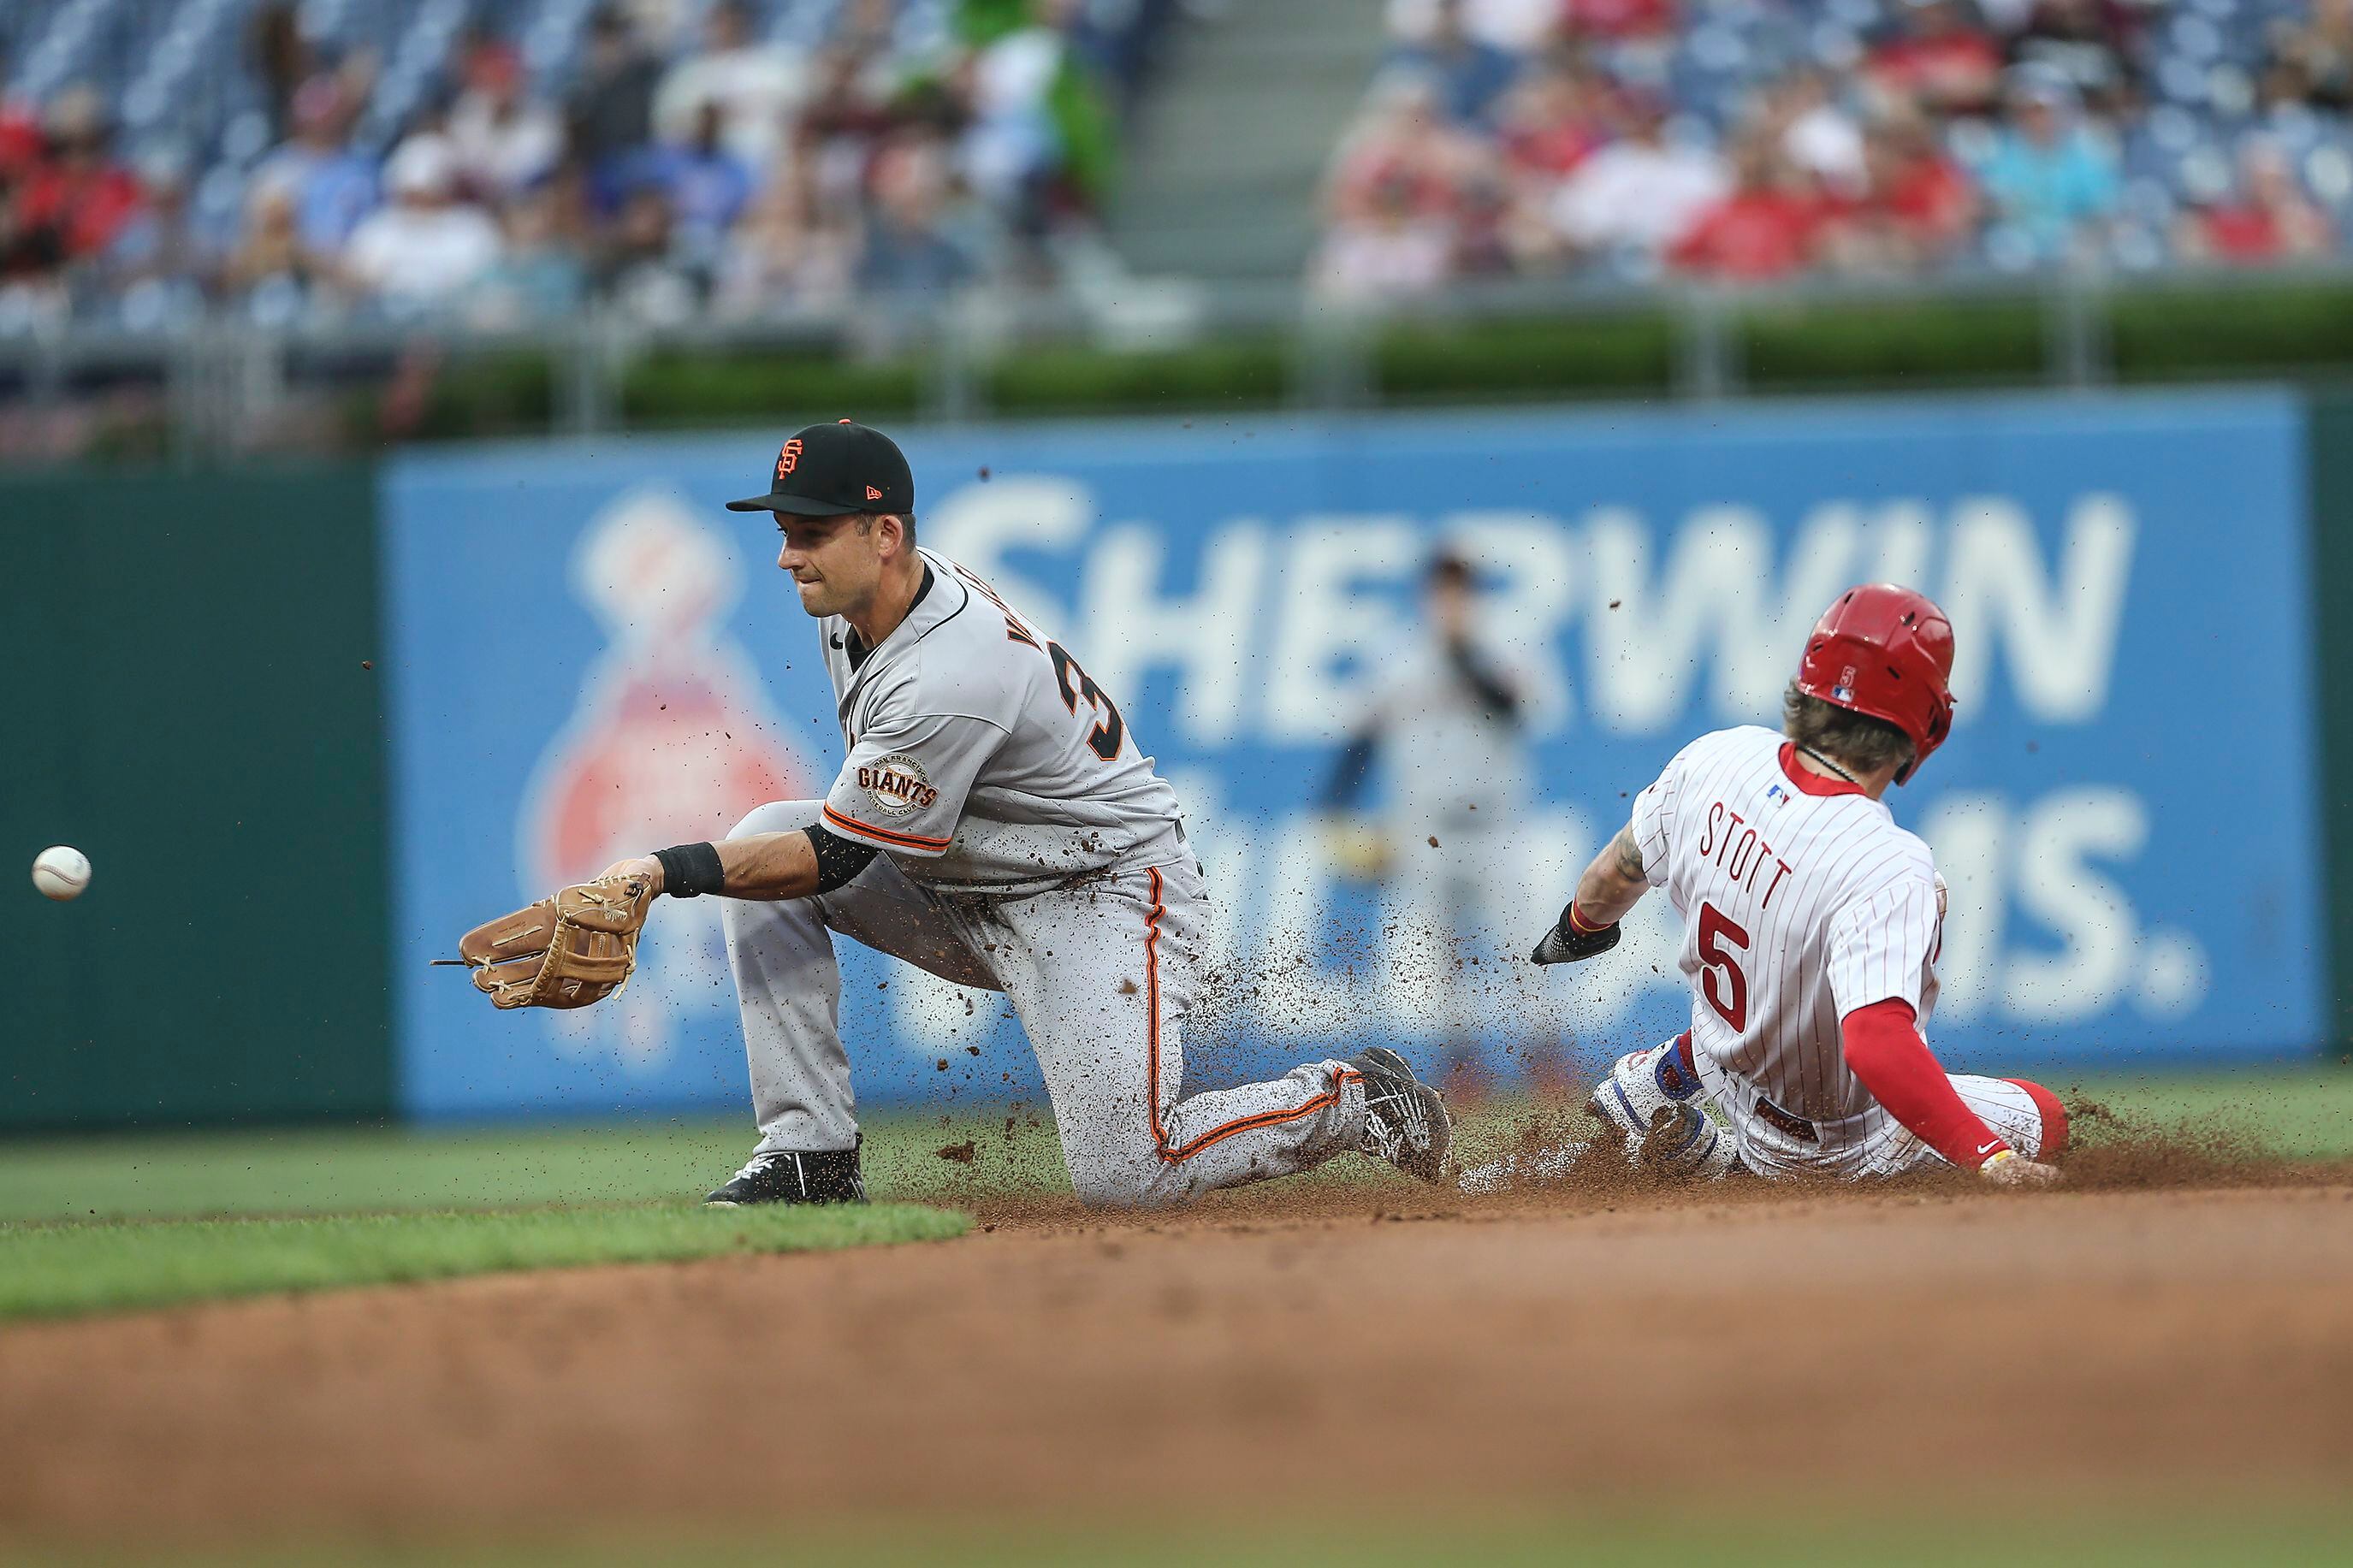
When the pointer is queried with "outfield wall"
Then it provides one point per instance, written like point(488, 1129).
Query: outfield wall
point(187, 703)
point(2126, 575)
point(581, 655)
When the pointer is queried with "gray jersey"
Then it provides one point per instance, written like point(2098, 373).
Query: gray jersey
point(982, 756)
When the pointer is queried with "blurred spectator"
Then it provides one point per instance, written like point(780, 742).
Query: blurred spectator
point(1040, 127)
point(910, 246)
point(21, 144)
point(639, 271)
point(610, 112)
point(1467, 75)
point(2313, 54)
point(281, 60)
point(2051, 181)
point(1618, 21)
point(1403, 137)
point(1552, 121)
point(786, 254)
point(425, 248)
point(158, 263)
point(1917, 209)
point(756, 87)
point(271, 275)
point(1767, 226)
point(706, 183)
point(331, 184)
point(2082, 43)
point(1640, 194)
point(2267, 219)
point(1390, 248)
point(1937, 59)
point(538, 276)
point(1519, 25)
point(78, 194)
point(504, 140)
point(1814, 132)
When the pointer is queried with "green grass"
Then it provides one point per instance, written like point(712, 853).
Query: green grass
point(345, 1170)
point(119, 1221)
point(2304, 1113)
point(54, 1269)
point(1806, 1535)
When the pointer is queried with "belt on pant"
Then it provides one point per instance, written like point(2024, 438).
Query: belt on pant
point(1784, 1122)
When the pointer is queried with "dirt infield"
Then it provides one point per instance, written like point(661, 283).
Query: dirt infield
point(1549, 1348)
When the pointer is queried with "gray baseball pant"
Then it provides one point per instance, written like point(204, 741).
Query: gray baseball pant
point(1102, 977)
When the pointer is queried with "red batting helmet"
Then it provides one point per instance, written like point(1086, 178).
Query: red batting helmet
point(1887, 652)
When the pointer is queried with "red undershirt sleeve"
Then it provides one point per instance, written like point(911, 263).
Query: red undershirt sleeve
point(1885, 1051)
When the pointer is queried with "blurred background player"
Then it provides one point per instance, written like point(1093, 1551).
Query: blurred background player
point(1811, 926)
point(1448, 730)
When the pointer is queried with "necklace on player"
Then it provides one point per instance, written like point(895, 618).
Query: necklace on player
point(1830, 765)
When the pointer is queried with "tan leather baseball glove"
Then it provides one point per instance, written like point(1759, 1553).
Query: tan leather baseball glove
point(569, 950)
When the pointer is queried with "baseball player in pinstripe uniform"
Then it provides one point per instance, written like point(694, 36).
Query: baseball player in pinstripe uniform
point(996, 824)
point(1811, 924)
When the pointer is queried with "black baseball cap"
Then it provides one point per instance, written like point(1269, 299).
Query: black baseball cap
point(830, 471)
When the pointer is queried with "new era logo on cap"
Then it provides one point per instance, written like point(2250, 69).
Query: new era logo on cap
point(831, 471)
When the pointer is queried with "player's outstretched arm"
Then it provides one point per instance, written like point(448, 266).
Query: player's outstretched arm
point(763, 867)
point(1612, 885)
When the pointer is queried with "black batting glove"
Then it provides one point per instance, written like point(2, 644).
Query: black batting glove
point(1574, 939)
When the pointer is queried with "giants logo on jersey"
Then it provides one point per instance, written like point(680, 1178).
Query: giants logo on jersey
point(897, 784)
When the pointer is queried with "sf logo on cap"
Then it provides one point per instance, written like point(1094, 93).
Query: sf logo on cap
point(788, 459)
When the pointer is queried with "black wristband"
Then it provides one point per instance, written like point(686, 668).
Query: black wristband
point(691, 871)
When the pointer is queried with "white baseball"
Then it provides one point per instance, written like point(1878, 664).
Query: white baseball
point(61, 872)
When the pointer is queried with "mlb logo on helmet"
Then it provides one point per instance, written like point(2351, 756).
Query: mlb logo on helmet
point(1843, 691)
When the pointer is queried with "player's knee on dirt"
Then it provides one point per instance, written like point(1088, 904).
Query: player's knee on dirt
point(2054, 1140)
point(1134, 1178)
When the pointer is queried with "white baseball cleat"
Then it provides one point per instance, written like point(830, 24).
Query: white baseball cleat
point(1405, 1120)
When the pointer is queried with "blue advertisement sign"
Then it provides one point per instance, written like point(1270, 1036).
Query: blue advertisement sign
point(592, 658)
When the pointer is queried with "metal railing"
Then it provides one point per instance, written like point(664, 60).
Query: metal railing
point(225, 387)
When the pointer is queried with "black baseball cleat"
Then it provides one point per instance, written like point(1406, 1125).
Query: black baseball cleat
point(1405, 1120)
point(794, 1176)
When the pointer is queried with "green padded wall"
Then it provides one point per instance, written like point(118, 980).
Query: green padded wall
point(186, 705)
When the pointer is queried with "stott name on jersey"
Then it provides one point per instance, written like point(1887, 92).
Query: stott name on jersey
point(1731, 844)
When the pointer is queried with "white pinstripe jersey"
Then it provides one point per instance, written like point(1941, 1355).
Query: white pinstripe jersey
point(1802, 901)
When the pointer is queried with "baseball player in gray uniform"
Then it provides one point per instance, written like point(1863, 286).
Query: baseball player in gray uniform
point(996, 824)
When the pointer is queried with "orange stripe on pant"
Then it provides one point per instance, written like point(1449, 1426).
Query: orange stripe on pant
point(1215, 1135)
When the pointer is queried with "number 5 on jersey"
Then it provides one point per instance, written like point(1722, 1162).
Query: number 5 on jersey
point(1721, 945)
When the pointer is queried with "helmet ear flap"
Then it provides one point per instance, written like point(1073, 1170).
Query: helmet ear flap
point(1940, 725)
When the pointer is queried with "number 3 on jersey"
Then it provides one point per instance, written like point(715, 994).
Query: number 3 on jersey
point(1107, 735)
point(1721, 943)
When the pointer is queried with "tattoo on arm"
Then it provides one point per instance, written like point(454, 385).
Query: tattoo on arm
point(1630, 857)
